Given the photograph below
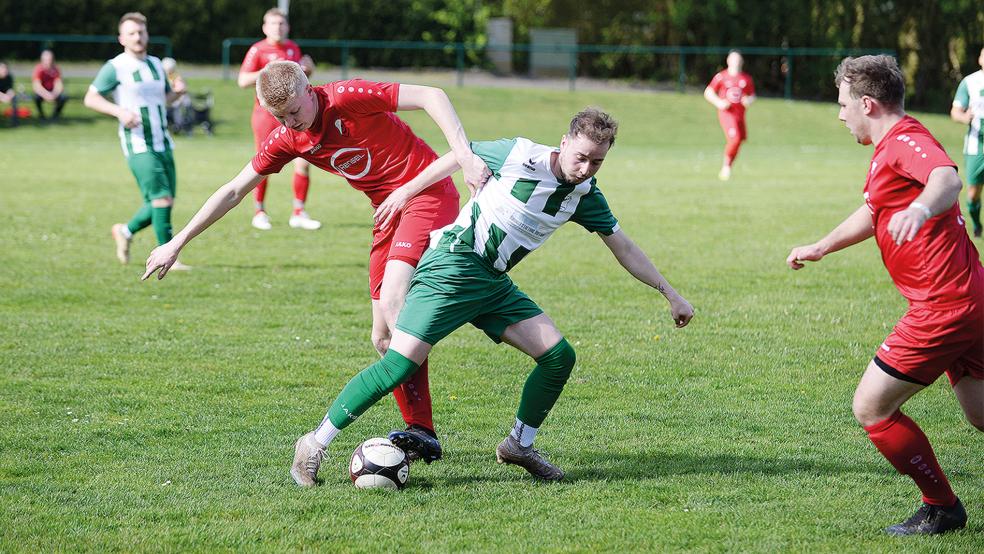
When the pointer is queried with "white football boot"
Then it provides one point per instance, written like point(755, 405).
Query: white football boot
point(262, 221)
point(304, 221)
point(308, 454)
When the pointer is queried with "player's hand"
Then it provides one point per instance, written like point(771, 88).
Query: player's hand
point(904, 225)
point(389, 208)
point(681, 311)
point(307, 65)
point(161, 258)
point(800, 254)
point(129, 119)
point(723, 104)
point(476, 173)
point(179, 86)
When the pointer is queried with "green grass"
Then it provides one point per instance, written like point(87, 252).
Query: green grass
point(161, 415)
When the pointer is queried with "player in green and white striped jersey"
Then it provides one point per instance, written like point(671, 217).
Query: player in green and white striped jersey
point(968, 108)
point(462, 279)
point(140, 92)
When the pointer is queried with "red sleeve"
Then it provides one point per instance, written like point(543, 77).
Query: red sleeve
point(918, 156)
point(276, 151)
point(364, 97)
point(715, 83)
point(38, 71)
point(252, 60)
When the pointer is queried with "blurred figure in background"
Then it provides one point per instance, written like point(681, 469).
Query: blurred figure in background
point(968, 108)
point(7, 93)
point(731, 91)
point(48, 86)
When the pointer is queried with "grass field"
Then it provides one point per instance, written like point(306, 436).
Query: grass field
point(161, 415)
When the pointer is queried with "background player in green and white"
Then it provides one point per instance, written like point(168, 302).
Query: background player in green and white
point(462, 279)
point(140, 92)
point(968, 108)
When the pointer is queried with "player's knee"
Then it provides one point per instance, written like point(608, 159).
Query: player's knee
point(977, 421)
point(381, 342)
point(866, 412)
point(558, 362)
point(164, 202)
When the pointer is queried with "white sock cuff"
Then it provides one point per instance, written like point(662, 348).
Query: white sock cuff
point(325, 432)
point(524, 433)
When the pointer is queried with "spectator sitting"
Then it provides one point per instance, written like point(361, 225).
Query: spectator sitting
point(48, 86)
point(179, 112)
point(7, 93)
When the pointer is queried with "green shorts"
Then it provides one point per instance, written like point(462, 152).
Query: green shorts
point(451, 289)
point(975, 169)
point(155, 174)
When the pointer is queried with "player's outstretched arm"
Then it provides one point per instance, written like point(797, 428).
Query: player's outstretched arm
point(438, 106)
point(226, 198)
point(394, 203)
point(856, 228)
point(95, 101)
point(942, 191)
point(635, 261)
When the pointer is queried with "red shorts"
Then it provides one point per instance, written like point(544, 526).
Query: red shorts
point(733, 125)
point(925, 343)
point(408, 237)
point(263, 124)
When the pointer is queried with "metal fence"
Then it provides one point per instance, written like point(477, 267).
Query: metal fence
point(52, 40)
point(461, 51)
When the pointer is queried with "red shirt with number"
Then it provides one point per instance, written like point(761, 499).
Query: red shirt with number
point(733, 88)
point(262, 53)
point(355, 135)
point(940, 266)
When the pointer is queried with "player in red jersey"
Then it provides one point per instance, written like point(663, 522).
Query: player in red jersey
point(911, 209)
point(349, 128)
point(276, 47)
point(731, 91)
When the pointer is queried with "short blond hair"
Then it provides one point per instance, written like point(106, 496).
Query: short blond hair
point(135, 17)
point(279, 83)
point(275, 12)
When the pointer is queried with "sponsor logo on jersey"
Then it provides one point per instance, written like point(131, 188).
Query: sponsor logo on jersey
point(352, 163)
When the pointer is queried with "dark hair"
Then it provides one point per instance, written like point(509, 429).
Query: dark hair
point(876, 76)
point(594, 124)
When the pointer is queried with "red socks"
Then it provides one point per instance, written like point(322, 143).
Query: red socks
point(301, 184)
point(904, 444)
point(259, 194)
point(731, 149)
point(413, 398)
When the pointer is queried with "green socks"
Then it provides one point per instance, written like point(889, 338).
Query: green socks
point(545, 383)
point(140, 220)
point(371, 384)
point(161, 218)
point(974, 209)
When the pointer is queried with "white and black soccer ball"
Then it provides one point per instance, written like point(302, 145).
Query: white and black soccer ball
point(379, 464)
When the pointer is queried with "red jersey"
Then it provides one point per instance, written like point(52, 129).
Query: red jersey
point(355, 135)
point(47, 76)
point(940, 265)
point(733, 88)
point(262, 53)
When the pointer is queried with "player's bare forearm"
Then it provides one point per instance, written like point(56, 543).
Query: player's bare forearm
point(856, 228)
point(635, 261)
point(942, 190)
point(961, 115)
point(438, 106)
point(443, 167)
point(97, 102)
point(227, 197)
point(247, 79)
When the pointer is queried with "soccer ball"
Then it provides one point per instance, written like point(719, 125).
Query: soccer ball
point(379, 464)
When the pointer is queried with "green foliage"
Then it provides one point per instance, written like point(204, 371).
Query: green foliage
point(161, 415)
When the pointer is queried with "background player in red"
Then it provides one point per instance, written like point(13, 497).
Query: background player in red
point(912, 211)
point(349, 128)
point(731, 91)
point(276, 47)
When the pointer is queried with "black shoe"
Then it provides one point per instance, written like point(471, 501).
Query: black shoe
point(418, 442)
point(977, 233)
point(932, 520)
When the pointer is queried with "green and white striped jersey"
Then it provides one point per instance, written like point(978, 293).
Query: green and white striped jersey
point(521, 206)
point(139, 86)
point(970, 94)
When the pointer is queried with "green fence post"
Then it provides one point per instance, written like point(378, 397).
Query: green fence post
point(789, 77)
point(460, 61)
point(226, 45)
point(683, 72)
point(572, 71)
point(345, 55)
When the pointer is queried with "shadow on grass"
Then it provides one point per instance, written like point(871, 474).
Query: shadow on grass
point(603, 466)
